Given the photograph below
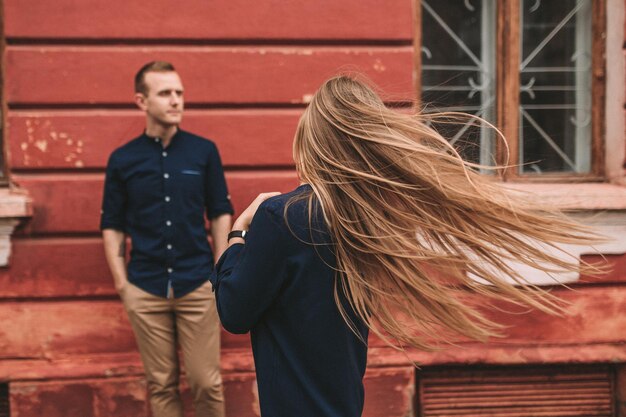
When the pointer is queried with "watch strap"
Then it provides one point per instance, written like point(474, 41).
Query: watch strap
point(238, 233)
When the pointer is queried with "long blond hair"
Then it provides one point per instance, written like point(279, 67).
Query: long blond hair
point(413, 225)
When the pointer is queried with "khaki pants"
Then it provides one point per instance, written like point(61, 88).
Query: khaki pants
point(191, 320)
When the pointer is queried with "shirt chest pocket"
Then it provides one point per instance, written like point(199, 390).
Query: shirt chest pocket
point(191, 183)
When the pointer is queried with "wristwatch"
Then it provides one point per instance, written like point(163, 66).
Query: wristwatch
point(238, 233)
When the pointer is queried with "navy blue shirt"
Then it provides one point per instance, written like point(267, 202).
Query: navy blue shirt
point(159, 196)
point(280, 287)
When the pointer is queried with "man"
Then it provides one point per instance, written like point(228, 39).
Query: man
point(157, 189)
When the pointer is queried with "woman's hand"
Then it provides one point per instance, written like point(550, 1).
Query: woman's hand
point(244, 220)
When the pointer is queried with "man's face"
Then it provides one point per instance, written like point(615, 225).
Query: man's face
point(164, 102)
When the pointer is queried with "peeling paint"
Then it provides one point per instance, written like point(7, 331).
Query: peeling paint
point(24, 146)
point(378, 66)
point(79, 164)
point(42, 145)
point(307, 98)
point(23, 389)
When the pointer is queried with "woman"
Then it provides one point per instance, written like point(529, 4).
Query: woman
point(384, 234)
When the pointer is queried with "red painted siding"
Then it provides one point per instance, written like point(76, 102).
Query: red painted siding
point(62, 139)
point(40, 76)
point(393, 388)
point(248, 69)
point(217, 20)
point(70, 203)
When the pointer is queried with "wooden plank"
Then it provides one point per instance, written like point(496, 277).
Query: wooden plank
point(75, 267)
point(239, 359)
point(210, 20)
point(479, 353)
point(118, 397)
point(76, 139)
point(49, 329)
point(71, 203)
point(56, 268)
point(63, 203)
point(212, 75)
point(595, 315)
point(108, 365)
point(616, 264)
point(389, 392)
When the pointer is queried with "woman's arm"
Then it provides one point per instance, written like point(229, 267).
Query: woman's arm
point(248, 277)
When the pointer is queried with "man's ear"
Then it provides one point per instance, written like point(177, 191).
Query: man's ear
point(140, 101)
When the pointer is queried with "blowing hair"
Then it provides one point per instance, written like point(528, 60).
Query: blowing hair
point(422, 241)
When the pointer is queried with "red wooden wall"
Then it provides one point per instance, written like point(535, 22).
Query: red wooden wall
point(248, 68)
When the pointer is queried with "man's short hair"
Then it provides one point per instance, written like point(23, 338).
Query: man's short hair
point(154, 66)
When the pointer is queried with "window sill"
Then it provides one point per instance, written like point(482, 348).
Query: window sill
point(15, 207)
point(576, 196)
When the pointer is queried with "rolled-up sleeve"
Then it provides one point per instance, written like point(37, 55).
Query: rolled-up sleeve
point(114, 199)
point(248, 278)
point(217, 197)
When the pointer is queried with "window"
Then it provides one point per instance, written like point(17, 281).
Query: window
point(533, 68)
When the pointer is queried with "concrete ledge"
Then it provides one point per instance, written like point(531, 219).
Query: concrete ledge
point(576, 196)
point(15, 203)
point(15, 206)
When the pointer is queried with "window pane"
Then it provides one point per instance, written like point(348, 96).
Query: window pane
point(458, 69)
point(555, 86)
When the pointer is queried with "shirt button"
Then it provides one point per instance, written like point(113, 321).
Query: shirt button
point(167, 198)
point(156, 139)
point(170, 270)
point(169, 247)
point(168, 223)
point(166, 175)
point(164, 153)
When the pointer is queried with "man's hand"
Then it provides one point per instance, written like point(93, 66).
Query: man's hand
point(115, 251)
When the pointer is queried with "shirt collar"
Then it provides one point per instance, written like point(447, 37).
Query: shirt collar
point(155, 139)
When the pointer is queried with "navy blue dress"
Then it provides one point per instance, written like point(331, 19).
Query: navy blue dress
point(280, 287)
